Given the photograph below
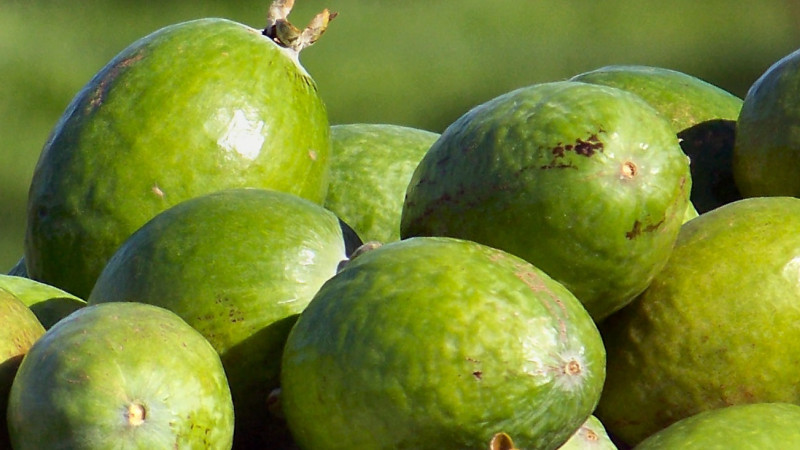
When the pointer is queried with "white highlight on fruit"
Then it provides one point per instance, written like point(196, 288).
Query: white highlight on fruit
point(791, 271)
point(243, 135)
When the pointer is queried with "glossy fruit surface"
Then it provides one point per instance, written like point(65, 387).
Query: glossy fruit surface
point(371, 165)
point(586, 182)
point(238, 265)
point(440, 343)
point(758, 425)
point(120, 375)
point(189, 109)
point(766, 159)
point(716, 327)
point(19, 329)
point(49, 304)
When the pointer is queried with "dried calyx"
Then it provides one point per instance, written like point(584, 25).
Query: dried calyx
point(280, 30)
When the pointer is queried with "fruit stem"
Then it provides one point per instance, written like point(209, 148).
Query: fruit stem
point(283, 33)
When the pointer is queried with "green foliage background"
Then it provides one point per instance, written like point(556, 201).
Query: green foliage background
point(415, 63)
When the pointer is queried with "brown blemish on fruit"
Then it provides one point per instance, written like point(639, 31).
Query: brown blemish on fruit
point(573, 368)
point(99, 94)
point(638, 229)
point(628, 170)
point(136, 414)
point(587, 147)
point(501, 441)
point(591, 435)
point(477, 374)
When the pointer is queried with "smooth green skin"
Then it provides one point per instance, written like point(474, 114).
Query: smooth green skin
point(590, 436)
point(50, 304)
point(75, 385)
point(190, 109)
point(439, 343)
point(702, 114)
point(716, 327)
point(238, 265)
point(756, 426)
point(371, 165)
point(766, 157)
point(507, 174)
point(684, 99)
point(19, 329)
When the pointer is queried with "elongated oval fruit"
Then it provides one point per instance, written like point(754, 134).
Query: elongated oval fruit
point(716, 327)
point(702, 114)
point(19, 329)
point(189, 109)
point(440, 343)
point(120, 375)
point(238, 265)
point(371, 165)
point(766, 158)
point(586, 182)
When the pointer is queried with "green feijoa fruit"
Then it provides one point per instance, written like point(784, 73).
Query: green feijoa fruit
point(766, 159)
point(121, 375)
point(586, 182)
point(371, 165)
point(238, 265)
point(436, 342)
point(716, 327)
point(19, 329)
point(702, 114)
point(756, 426)
point(192, 108)
point(49, 304)
point(591, 435)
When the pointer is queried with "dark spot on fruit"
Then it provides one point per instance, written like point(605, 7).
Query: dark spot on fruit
point(588, 147)
point(477, 374)
point(638, 229)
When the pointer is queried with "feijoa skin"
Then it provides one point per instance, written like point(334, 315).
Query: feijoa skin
point(120, 375)
point(586, 182)
point(766, 159)
point(442, 343)
point(702, 114)
point(19, 329)
point(50, 304)
point(371, 165)
point(756, 426)
point(238, 265)
point(192, 108)
point(716, 327)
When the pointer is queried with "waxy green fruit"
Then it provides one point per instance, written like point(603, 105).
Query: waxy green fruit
point(591, 435)
point(440, 343)
point(702, 114)
point(121, 375)
point(189, 109)
point(19, 329)
point(238, 265)
point(371, 165)
point(716, 327)
point(586, 182)
point(756, 426)
point(49, 304)
point(766, 159)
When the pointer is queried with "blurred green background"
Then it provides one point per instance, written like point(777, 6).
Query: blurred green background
point(414, 63)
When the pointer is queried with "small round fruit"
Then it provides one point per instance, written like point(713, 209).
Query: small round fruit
point(120, 375)
point(440, 343)
point(716, 327)
point(19, 329)
point(756, 426)
point(586, 182)
point(189, 109)
point(238, 265)
point(766, 158)
point(371, 165)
